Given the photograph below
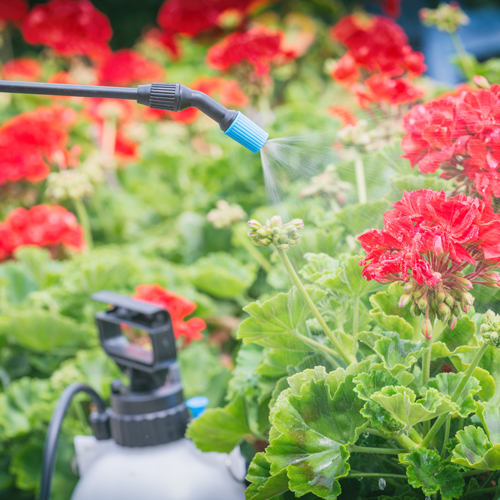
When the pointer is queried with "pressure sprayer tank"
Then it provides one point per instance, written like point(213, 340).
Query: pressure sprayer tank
point(138, 450)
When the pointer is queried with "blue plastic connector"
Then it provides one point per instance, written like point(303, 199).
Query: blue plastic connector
point(197, 405)
point(247, 133)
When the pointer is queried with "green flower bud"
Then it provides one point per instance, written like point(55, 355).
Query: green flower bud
point(404, 300)
point(281, 235)
point(441, 295)
point(449, 300)
point(414, 310)
point(465, 282)
point(490, 329)
point(456, 311)
point(444, 312)
point(467, 298)
point(427, 328)
point(417, 294)
point(422, 303)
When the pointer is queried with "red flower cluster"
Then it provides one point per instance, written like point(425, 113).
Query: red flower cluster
point(460, 134)
point(259, 47)
point(191, 17)
point(165, 40)
point(392, 8)
point(428, 241)
point(377, 47)
point(41, 226)
point(179, 307)
point(70, 27)
point(22, 68)
point(13, 10)
point(32, 139)
point(343, 114)
point(126, 67)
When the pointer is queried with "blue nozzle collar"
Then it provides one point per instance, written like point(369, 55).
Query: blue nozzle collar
point(247, 133)
point(197, 405)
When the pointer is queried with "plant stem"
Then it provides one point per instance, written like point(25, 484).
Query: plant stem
point(462, 55)
point(252, 250)
point(456, 394)
point(83, 217)
point(446, 436)
point(296, 280)
point(360, 176)
point(317, 345)
point(475, 472)
point(375, 432)
point(426, 371)
point(415, 435)
point(477, 492)
point(406, 442)
point(381, 451)
point(355, 319)
point(375, 474)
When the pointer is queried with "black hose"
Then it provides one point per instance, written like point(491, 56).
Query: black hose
point(50, 450)
point(64, 89)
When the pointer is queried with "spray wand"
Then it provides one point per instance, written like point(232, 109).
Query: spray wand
point(167, 96)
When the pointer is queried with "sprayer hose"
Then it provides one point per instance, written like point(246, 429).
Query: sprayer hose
point(50, 450)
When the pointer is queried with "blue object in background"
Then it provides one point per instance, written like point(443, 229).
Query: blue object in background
point(481, 38)
point(197, 405)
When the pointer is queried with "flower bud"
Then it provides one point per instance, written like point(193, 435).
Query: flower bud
point(467, 298)
point(275, 222)
point(254, 224)
point(449, 300)
point(441, 295)
point(422, 303)
point(490, 329)
point(465, 282)
point(444, 312)
point(417, 294)
point(427, 328)
point(453, 322)
point(409, 287)
point(456, 311)
point(414, 310)
point(404, 300)
point(481, 82)
point(281, 235)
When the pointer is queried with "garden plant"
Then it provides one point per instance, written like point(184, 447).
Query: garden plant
point(343, 322)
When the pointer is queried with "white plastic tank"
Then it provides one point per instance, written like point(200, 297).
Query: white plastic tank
point(173, 471)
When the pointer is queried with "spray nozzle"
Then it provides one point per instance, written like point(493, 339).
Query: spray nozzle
point(167, 96)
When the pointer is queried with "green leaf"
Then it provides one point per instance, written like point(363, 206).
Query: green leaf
point(396, 353)
point(392, 155)
point(313, 421)
point(247, 360)
point(415, 182)
point(489, 415)
point(276, 322)
point(425, 471)
point(220, 429)
point(368, 384)
point(319, 265)
point(22, 406)
point(92, 367)
point(264, 485)
point(459, 340)
point(475, 450)
point(403, 405)
point(39, 264)
point(446, 383)
point(485, 379)
point(16, 282)
point(222, 276)
point(44, 331)
point(393, 318)
point(276, 362)
point(348, 279)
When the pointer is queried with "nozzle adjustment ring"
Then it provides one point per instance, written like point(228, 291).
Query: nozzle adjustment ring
point(165, 96)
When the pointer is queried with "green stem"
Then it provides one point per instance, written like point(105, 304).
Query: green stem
point(475, 472)
point(426, 372)
point(252, 250)
point(381, 451)
point(446, 436)
point(415, 435)
point(317, 345)
point(296, 280)
point(375, 474)
point(375, 432)
point(462, 55)
point(355, 320)
point(360, 176)
point(83, 217)
point(406, 442)
point(456, 394)
point(477, 492)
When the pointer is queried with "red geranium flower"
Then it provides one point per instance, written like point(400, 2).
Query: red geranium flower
point(343, 114)
point(460, 134)
point(259, 47)
point(41, 226)
point(427, 242)
point(191, 17)
point(13, 10)
point(70, 27)
point(125, 148)
point(379, 62)
point(32, 140)
point(179, 307)
point(126, 67)
point(392, 8)
point(165, 40)
point(22, 68)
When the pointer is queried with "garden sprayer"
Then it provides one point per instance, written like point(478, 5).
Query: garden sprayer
point(166, 96)
point(138, 449)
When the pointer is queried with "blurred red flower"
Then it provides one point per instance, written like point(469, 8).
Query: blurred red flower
point(41, 226)
point(125, 148)
point(191, 17)
point(13, 10)
point(460, 134)
point(99, 110)
point(70, 27)
point(392, 8)
point(22, 68)
point(379, 62)
point(126, 66)
point(179, 307)
point(343, 114)
point(165, 40)
point(260, 47)
point(32, 140)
